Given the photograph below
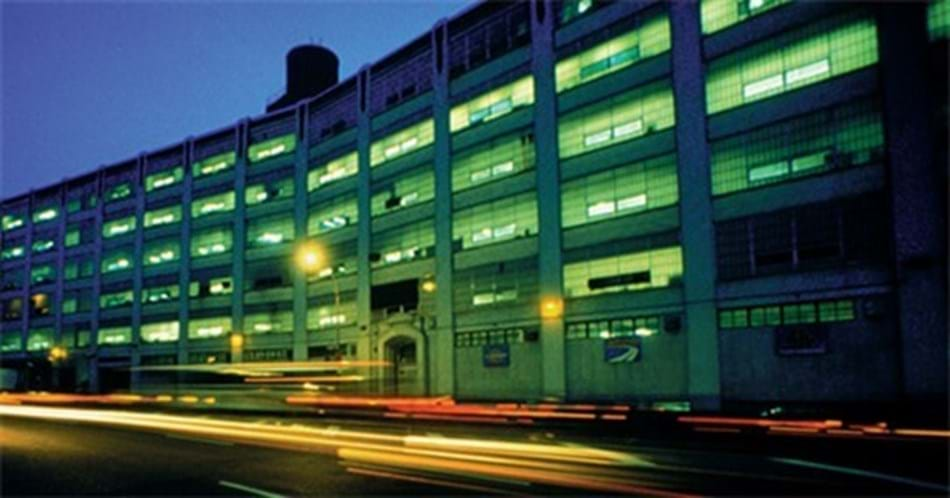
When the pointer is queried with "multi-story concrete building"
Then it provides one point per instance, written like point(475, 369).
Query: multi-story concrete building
point(715, 202)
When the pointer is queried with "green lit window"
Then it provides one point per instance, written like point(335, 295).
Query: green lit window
point(816, 53)
point(45, 214)
point(270, 231)
point(40, 339)
point(80, 200)
point(160, 252)
point(116, 299)
point(214, 286)
point(76, 302)
point(272, 148)
point(213, 164)
point(209, 328)
point(827, 140)
point(623, 117)
point(720, 14)
point(69, 304)
point(117, 260)
point(571, 9)
point(73, 236)
point(121, 226)
point(642, 326)
point(217, 240)
point(164, 179)
point(492, 105)
point(512, 283)
point(12, 308)
point(409, 189)
point(787, 314)
point(162, 216)
point(272, 322)
point(159, 332)
point(625, 190)
point(11, 341)
point(41, 304)
point(43, 274)
point(496, 159)
point(500, 220)
point(269, 191)
point(12, 252)
point(326, 315)
point(404, 243)
point(337, 169)
point(118, 192)
point(938, 19)
point(113, 336)
point(402, 142)
point(12, 221)
point(43, 245)
point(160, 293)
point(651, 38)
point(332, 215)
point(78, 267)
point(211, 204)
point(625, 272)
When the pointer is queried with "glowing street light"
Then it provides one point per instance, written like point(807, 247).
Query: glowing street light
point(309, 256)
point(236, 340)
point(552, 307)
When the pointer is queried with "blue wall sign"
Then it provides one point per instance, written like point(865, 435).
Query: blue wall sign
point(496, 355)
point(622, 350)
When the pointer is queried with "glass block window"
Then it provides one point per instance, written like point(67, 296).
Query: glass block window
point(269, 191)
point(78, 267)
point(623, 117)
point(496, 221)
point(506, 284)
point(832, 139)
point(815, 236)
point(651, 37)
point(214, 164)
point(636, 271)
point(493, 104)
point(217, 240)
point(121, 226)
point(770, 315)
point(40, 339)
point(43, 274)
point(160, 252)
point(414, 187)
point(269, 322)
point(480, 338)
point(641, 326)
point(324, 315)
point(209, 328)
point(720, 14)
point(11, 342)
point(11, 252)
point(162, 216)
point(331, 171)
point(12, 221)
point(160, 332)
point(625, 190)
point(165, 178)
point(404, 243)
point(160, 293)
point(274, 147)
point(42, 244)
point(117, 260)
point(113, 336)
point(492, 160)
point(116, 299)
point(332, 215)
point(211, 286)
point(402, 142)
point(270, 231)
point(48, 213)
point(218, 203)
point(118, 192)
point(816, 53)
point(938, 19)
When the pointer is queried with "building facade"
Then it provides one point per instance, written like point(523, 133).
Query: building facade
point(709, 202)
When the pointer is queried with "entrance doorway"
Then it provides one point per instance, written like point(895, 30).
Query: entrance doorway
point(402, 376)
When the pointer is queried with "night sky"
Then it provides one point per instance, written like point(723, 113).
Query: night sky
point(89, 84)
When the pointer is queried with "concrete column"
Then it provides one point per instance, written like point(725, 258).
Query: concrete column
point(918, 201)
point(237, 246)
point(698, 234)
point(364, 230)
point(553, 374)
point(441, 359)
point(184, 269)
point(137, 250)
point(93, 349)
point(300, 232)
point(60, 263)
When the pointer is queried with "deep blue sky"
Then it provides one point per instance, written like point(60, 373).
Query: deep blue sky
point(86, 84)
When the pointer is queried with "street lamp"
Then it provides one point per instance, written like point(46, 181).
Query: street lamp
point(310, 258)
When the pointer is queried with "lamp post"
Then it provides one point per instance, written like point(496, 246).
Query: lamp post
point(310, 257)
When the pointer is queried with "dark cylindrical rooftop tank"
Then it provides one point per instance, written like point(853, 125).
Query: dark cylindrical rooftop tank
point(311, 69)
